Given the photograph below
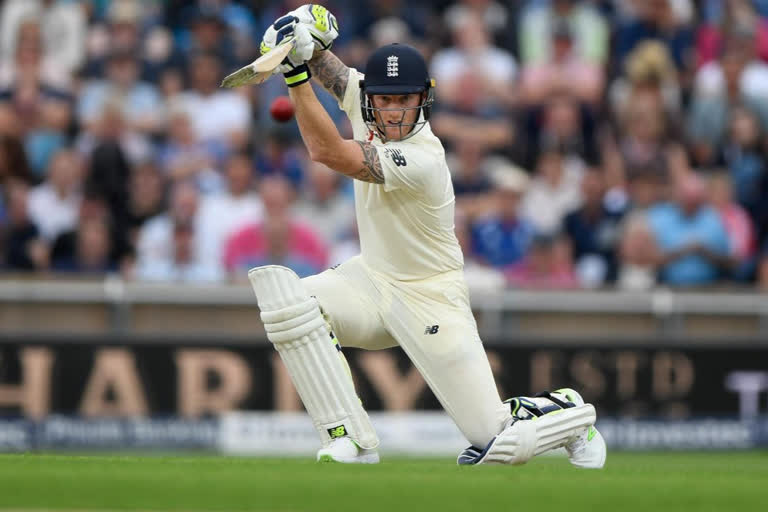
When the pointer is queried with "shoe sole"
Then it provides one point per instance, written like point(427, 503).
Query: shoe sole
point(372, 458)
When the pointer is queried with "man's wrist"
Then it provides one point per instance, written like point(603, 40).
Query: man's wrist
point(297, 76)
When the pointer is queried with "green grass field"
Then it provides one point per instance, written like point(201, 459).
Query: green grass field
point(641, 482)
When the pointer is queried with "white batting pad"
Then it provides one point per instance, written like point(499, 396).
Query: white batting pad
point(296, 327)
point(523, 439)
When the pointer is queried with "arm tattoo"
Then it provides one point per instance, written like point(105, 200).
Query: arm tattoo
point(330, 72)
point(371, 169)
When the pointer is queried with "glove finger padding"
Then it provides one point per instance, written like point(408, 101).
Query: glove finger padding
point(322, 25)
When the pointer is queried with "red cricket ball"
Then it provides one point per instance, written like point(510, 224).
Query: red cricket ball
point(281, 109)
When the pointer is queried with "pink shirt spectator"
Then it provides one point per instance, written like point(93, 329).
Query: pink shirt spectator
point(526, 275)
point(709, 40)
point(291, 244)
point(741, 234)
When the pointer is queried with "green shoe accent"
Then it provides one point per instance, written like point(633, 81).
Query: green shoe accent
point(568, 392)
point(325, 458)
point(591, 433)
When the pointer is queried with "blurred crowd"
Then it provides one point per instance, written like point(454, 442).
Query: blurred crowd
point(613, 143)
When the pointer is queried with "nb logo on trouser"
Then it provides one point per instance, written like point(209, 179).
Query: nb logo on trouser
point(431, 329)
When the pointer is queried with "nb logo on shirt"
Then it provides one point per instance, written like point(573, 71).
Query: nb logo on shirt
point(432, 329)
point(397, 157)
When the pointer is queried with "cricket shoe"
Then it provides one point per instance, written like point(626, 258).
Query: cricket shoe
point(588, 449)
point(345, 450)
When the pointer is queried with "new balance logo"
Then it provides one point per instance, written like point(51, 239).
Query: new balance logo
point(432, 329)
point(397, 157)
point(393, 67)
point(339, 431)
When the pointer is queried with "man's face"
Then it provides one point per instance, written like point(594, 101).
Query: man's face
point(205, 73)
point(123, 71)
point(391, 116)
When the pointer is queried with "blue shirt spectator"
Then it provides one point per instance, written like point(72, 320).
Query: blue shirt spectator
point(504, 238)
point(656, 20)
point(690, 235)
point(501, 243)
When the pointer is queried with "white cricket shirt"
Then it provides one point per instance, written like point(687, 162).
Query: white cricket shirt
point(406, 225)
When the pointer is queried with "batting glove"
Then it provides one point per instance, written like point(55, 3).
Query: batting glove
point(294, 66)
point(321, 23)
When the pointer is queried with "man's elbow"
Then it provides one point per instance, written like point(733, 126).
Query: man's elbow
point(319, 155)
point(326, 155)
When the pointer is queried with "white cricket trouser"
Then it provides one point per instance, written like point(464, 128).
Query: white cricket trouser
point(433, 323)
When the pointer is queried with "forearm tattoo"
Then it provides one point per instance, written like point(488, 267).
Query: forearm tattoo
point(330, 72)
point(371, 169)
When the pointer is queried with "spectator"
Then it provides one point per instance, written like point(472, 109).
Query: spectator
point(155, 244)
point(471, 167)
point(470, 115)
point(645, 137)
point(593, 230)
point(738, 78)
point(66, 248)
point(209, 34)
point(279, 239)
point(13, 162)
point(23, 248)
point(657, 19)
point(182, 266)
point(745, 158)
point(738, 225)
point(278, 156)
point(637, 254)
point(692, 241)
point(590, 32)
point(648, 68)
point(547, 265)
point(92, 249)
point(107, 184)
point(138, 102)
point(562, 122)
point(217, 114)
point(42, 110)
point(564, 71)
point(554, 191)
point(362, 15)
point(647, 186)
point(122, 33)
point(495, 16)
point(146, 192)
point(762, 269)
point(714, 29)
point(503, 237)
point(112, 129)
point(324, 206)
point(185, 157)
point(223, 214)
point(474, 54)
point(481, 279)
point(760, 211)
point(61, 25)
point(54, 205)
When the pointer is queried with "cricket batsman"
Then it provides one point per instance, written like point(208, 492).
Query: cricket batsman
point(407, 286)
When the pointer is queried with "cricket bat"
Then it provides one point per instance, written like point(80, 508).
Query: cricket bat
point(259, 70)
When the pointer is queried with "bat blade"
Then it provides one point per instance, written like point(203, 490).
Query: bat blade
point(259, 70)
